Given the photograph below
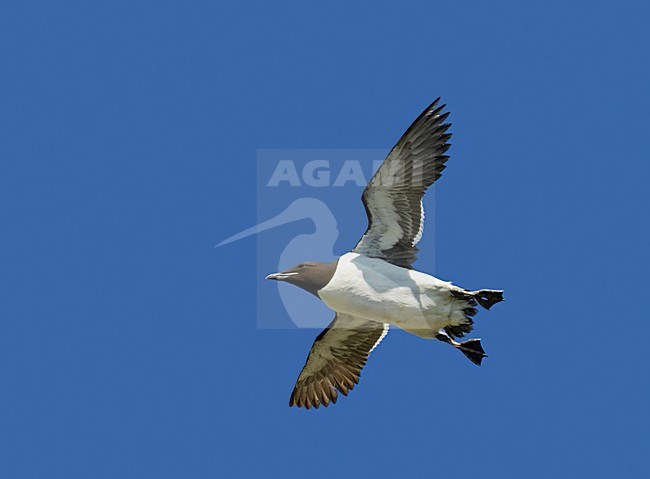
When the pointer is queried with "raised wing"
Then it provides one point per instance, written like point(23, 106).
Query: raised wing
point(335, 361)
point(393, 197)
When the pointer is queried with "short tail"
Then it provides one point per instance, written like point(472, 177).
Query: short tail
point(488, 297)
point(473, 350)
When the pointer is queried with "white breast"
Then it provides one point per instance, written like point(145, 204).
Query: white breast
point(374, 289)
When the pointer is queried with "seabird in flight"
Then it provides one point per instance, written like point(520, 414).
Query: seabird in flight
point(375, 285)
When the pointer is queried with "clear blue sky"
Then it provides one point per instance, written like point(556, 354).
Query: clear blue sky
point(129, 345)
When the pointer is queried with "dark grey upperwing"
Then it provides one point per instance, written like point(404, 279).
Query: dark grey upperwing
point(393, 197)
point(335, 361)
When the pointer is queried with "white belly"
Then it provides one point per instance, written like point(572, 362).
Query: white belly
point(374, 289)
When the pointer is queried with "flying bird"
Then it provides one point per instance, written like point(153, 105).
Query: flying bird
point(375, 286)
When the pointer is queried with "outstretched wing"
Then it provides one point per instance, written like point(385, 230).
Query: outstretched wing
point(393, 197)
point(335, 361)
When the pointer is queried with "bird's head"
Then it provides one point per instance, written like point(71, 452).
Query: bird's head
point(310, 276)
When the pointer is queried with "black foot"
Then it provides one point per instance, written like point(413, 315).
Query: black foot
point(473, 350)
point(488, 297)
